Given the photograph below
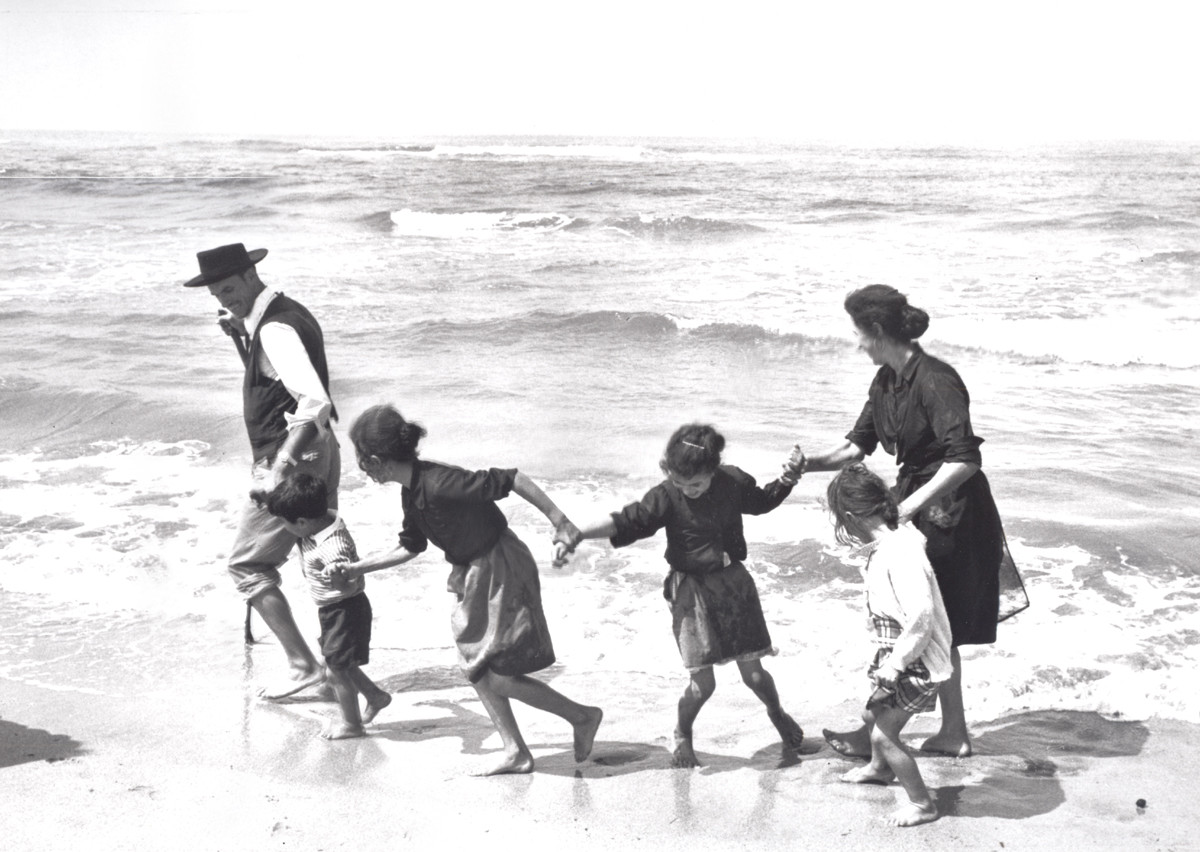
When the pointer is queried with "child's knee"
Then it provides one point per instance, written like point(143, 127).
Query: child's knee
point(755, 679)
point(702, 688)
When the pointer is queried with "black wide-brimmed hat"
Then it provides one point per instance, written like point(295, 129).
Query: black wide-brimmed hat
point(222, 262)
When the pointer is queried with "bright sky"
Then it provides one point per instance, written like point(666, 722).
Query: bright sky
point(838, 70)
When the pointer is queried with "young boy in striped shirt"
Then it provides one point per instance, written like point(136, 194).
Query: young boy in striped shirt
point(342, 606)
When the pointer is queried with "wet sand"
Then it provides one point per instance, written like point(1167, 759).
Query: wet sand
point(209, 767)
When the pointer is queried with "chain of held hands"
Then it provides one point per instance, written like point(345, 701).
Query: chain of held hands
point(567, 536)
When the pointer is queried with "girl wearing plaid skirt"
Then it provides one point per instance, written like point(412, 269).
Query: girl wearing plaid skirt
point(912, 632)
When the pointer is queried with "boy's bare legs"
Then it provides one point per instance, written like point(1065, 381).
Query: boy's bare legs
point(763, 685)
point(351, 723)
point(952, 738)
point(699, 689)
point(272, 606)
point(584, 719)
point(877, 770)
point(890, 759)
point(376, 699)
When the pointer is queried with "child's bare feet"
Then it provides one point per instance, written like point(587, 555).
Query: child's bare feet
point(520, 763)
point(375, 705)
point(912, 814)
point(683, 757)
point(340, 729)
point(585, 733)
point(947, 744)
point(869, 775)
point(790, 732)
point(849, 744)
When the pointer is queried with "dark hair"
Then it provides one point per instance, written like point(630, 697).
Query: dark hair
point(879, 303)
point(299, 496)
point(693, 449)
point(859, 492)
point(382, 431)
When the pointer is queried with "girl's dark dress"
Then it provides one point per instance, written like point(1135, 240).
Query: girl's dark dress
point(498, 622)
point(714, 603)
point(922, 417)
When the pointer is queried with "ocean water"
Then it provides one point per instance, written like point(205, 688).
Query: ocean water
point(561, 305)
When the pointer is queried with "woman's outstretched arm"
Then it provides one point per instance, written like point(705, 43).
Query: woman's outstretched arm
point(564, 531)
point(834, 459)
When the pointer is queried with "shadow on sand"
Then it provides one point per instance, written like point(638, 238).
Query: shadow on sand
point(1024, 755)
point(19, 744)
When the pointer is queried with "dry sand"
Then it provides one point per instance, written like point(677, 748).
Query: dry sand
point(208, 767)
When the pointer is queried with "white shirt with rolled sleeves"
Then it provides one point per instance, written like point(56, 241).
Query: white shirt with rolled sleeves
point(284, 357)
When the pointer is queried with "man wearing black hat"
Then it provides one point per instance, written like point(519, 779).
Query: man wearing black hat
point(288, 409)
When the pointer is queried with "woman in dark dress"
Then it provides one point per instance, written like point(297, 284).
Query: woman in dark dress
point(498, 622)
point(918, 409)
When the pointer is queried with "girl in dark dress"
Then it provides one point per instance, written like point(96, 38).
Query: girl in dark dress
point(918, 410)
point(715, 610)
point(498, 623)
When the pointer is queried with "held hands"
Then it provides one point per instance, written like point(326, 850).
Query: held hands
point(566, 538)
point(338, 574)
point(794, 467)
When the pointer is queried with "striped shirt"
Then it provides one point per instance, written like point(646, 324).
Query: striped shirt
point(330, 546)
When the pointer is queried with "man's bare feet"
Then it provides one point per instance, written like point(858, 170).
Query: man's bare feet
point(850, 744)
point(869, 775)
point(300, 682)
point(585, 733)
point(912, 814)
point(948, 745)
point(790, 732)
point(512, 764)
point(683, 757)
point(340, 729)
point(373, 707)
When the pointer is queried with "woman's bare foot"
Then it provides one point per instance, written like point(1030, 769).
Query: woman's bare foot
point(683, 757)
point(299, 682)
point(912, 814)
point(850, 744)
point(512, 764)
point(340, 729)
point(869, 775)
point(374, 706)
point(947, 744)
point(585, 733)
point(790, 732)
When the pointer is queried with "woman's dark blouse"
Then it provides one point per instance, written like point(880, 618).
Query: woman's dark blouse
point(921, 416)
point(455, 509)
point(700, 531)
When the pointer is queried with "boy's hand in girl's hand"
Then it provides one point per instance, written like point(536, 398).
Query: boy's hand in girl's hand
point(338, 574)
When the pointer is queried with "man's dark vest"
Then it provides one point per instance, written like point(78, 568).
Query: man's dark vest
point(264, 400)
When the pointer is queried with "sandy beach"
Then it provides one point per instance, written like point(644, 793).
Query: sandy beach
point(209, 767)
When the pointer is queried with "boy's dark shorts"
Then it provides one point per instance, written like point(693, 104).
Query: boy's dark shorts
point(346, 632)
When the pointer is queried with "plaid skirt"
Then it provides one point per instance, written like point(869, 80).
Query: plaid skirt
point(914, 692)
